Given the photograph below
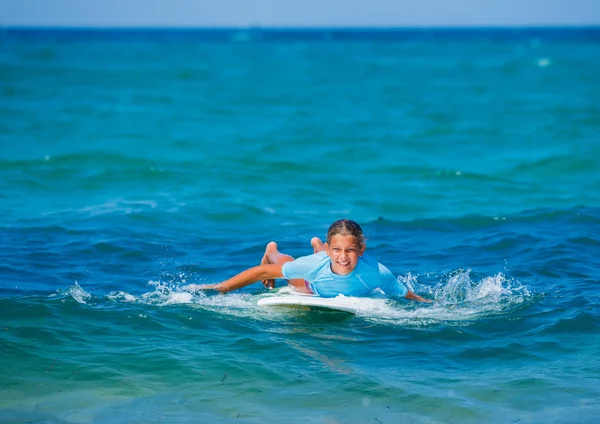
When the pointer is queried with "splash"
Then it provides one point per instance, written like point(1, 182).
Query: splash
point(166, 294)
point(169, 293)
point(459, 288)
point(458, 299)
point(76, 292)
point(163, 294)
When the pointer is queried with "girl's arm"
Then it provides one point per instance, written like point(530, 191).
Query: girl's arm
point(245, 278)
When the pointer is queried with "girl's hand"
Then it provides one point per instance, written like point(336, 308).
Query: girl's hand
point(412, 296)
point(269, 284)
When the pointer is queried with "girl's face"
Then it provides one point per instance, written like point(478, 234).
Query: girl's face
point(344, 252)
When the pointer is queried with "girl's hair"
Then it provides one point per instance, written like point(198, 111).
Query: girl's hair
point(346, 227)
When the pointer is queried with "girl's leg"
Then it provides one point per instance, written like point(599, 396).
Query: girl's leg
point(274, 256)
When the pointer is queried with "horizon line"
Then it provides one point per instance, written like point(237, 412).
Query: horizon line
point(300, 27)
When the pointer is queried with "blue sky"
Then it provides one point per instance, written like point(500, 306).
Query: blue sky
point(298, 13)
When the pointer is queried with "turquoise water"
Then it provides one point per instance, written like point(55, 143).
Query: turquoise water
point(133, 163)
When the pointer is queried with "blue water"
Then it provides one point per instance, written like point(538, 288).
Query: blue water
point(133, 163)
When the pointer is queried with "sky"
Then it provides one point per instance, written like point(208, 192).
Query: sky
point(298, 13)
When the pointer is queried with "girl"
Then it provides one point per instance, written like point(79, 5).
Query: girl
point(336, 267)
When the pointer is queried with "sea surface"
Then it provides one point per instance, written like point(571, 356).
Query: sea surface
point(135, 162)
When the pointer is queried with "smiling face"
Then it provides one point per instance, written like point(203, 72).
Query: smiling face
point(344, 251)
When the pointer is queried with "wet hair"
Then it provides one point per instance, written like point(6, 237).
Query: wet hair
point(346, 227)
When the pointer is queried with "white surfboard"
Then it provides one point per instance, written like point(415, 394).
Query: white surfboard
point(286, 297)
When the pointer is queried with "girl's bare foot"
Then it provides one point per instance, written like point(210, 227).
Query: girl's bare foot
point(317, 244)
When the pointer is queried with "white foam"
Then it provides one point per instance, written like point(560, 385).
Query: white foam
point(121, 296)
point(174, 298)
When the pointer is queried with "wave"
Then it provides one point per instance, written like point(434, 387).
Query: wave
point(119, 206)
point(541, 216)
point(76, 160)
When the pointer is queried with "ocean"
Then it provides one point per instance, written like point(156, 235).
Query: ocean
point(135, 162)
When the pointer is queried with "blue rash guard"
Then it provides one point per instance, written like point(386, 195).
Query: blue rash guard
point(366, 277)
